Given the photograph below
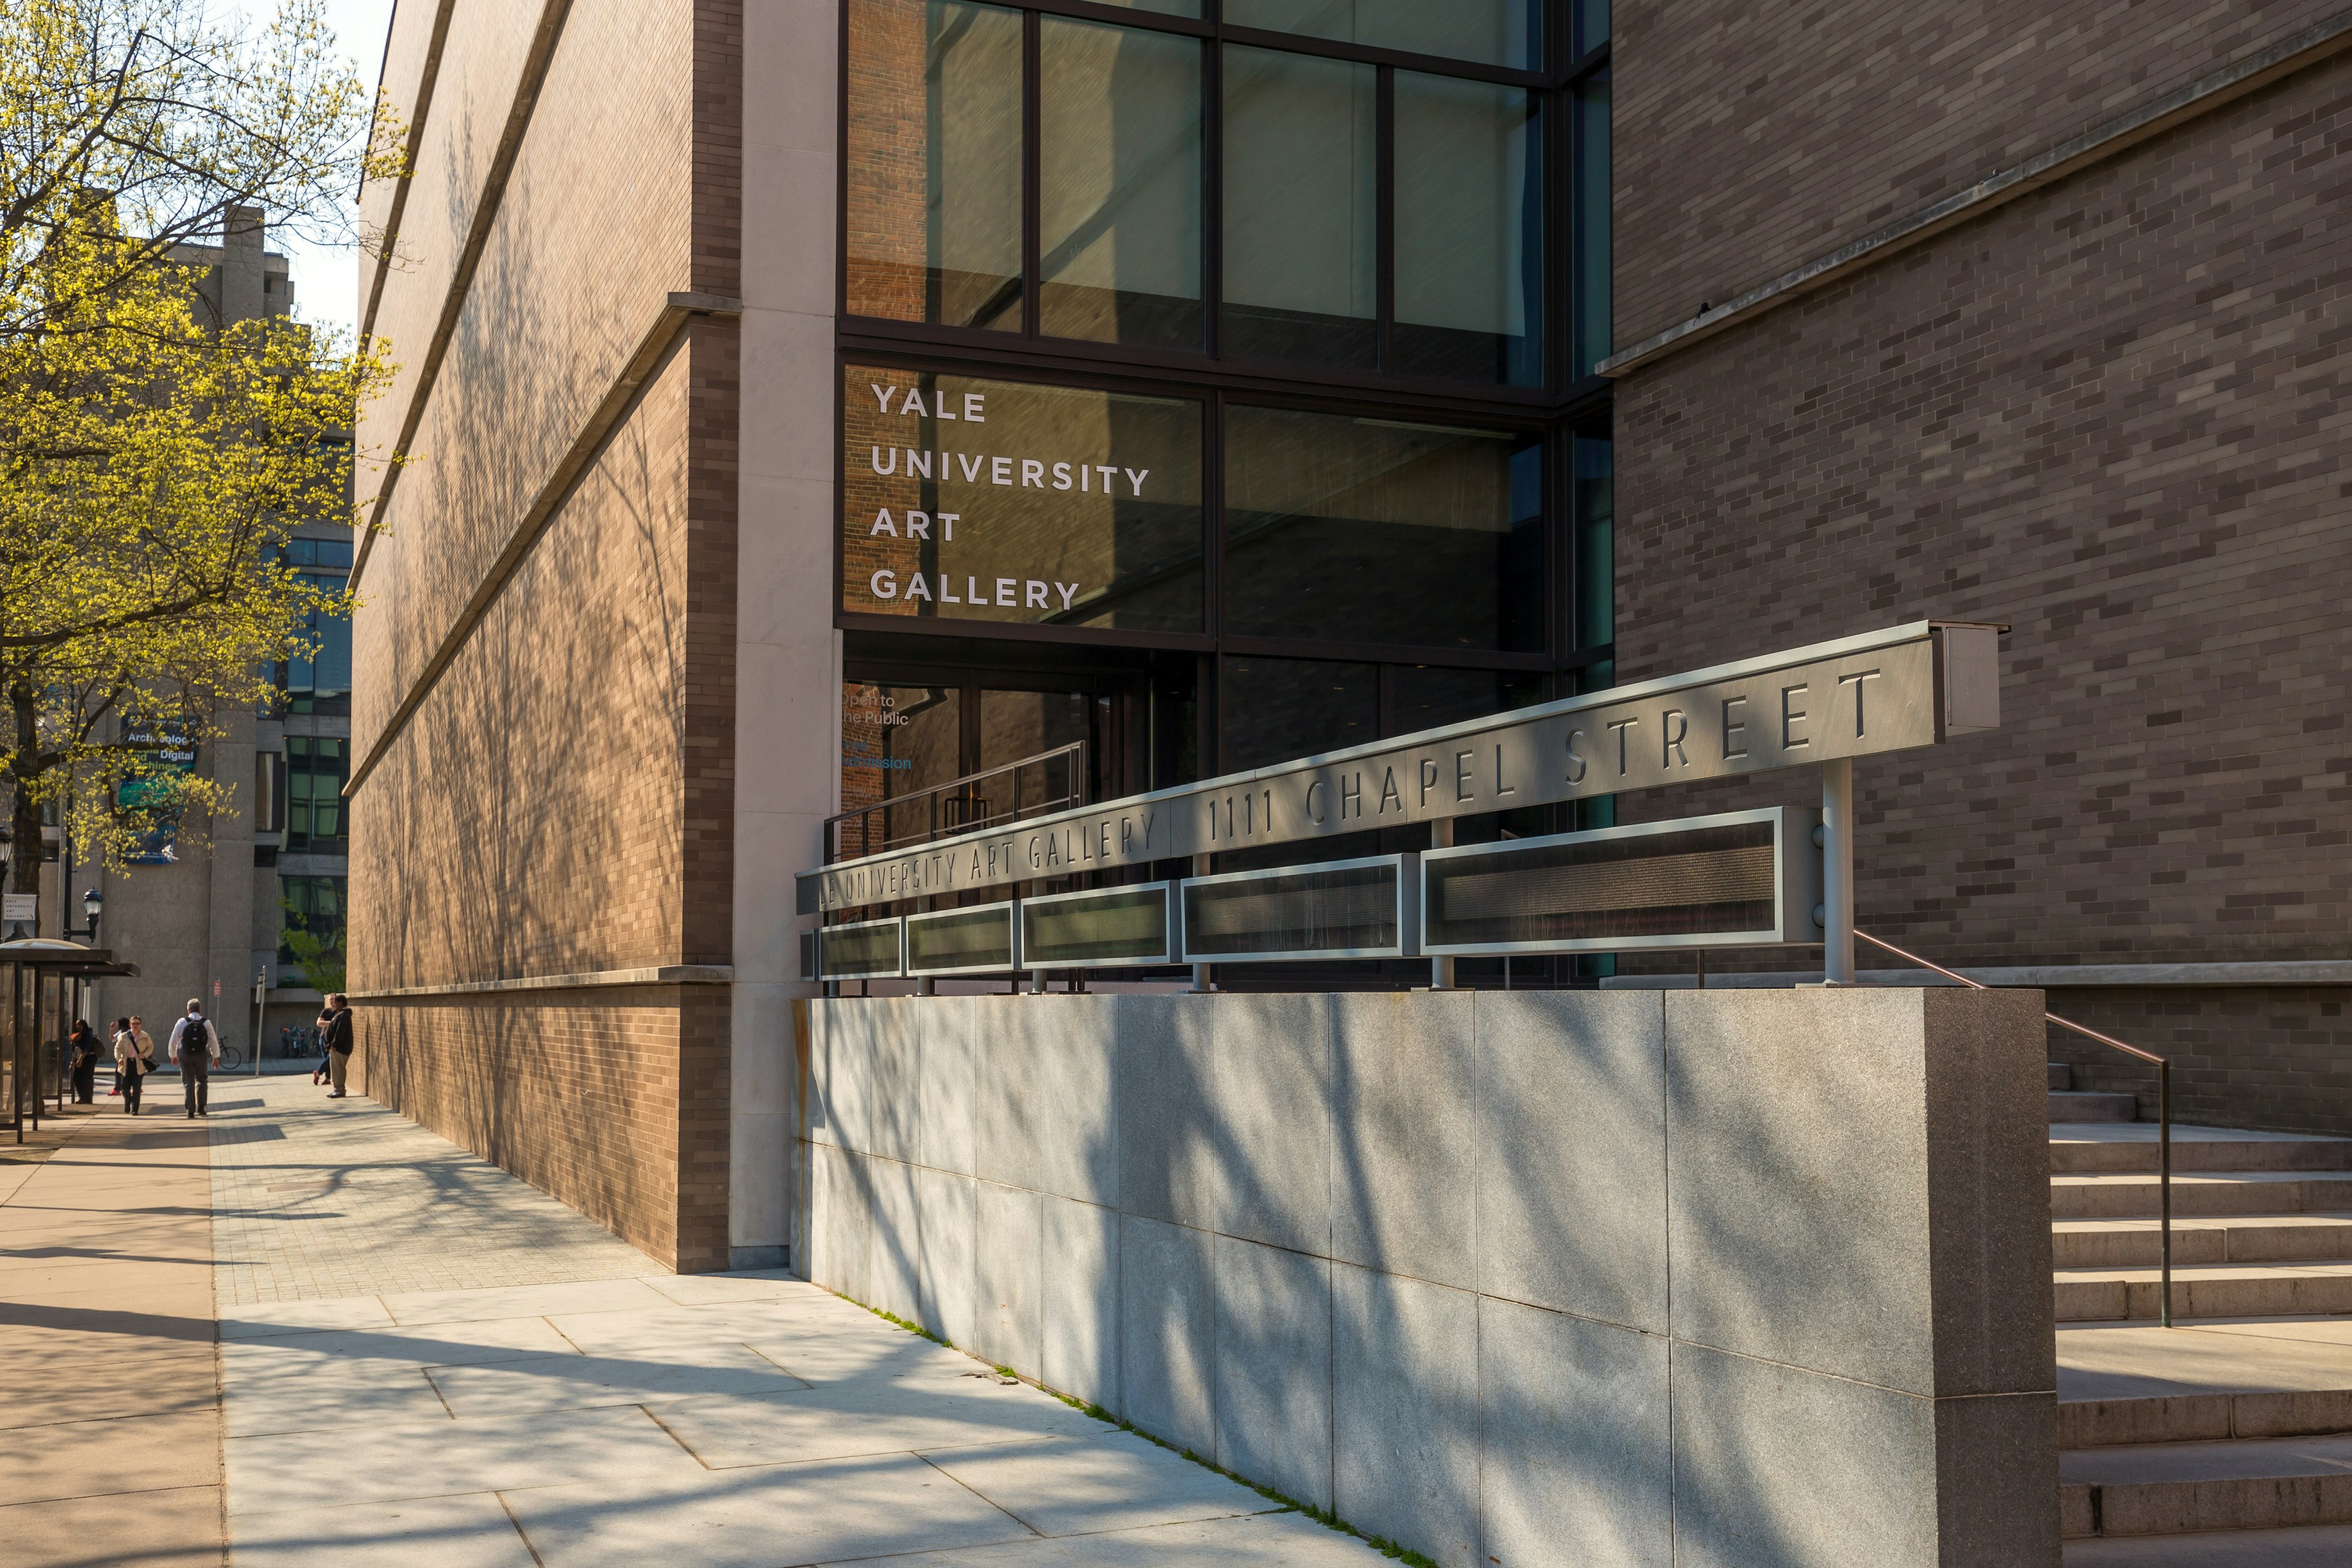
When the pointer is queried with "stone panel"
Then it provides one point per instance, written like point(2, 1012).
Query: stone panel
point(1167, 1331)
point(1008, 1279)
point(1045, 1117)
point(1776, 1467)
point(1270, 1103)
point(1576, 1455)
point(947, 1216)
point(1081, 1305)
point(1404, 1379)
point(1798, 1179)
point(1571, 1140)
point(946, 1048)
point(894, 1261)
point(1167, 1143)
point(1404, 1155)
point(1274, 1368)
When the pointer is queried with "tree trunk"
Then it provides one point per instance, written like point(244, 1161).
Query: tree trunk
point(24, 819)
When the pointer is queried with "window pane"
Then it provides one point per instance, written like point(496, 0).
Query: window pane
point(1376, 531)
point(1591, 24)
point(1469, 231)
point(1425, 697)
point(1120, 186)
point(934, 158)
point(1277, 710)
point(1596, 544)
point(1492, 32)
point(894, 741)
point(1165, 7)
point(999, 500)
point(1302, 171)
point(1592, 325)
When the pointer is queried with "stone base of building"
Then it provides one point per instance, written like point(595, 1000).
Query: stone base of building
point(1538, 1277)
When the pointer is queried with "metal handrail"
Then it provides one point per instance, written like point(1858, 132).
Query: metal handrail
point(2163, 1108)
point(965, 792)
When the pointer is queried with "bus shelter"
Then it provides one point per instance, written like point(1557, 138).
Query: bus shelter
point(42, 982)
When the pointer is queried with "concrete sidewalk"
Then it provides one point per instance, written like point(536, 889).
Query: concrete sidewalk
point(110, 1409)
point(571, 1405)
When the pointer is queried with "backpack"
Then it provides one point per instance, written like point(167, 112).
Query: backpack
point(195, 1039)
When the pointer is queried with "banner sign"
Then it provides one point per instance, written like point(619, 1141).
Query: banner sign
point(1884, 691)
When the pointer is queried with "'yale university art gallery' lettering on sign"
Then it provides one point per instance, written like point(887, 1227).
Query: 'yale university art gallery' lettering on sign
point(1004, 501)
point(1911, 686)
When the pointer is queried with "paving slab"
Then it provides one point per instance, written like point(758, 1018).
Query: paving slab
point(1114, 1480)
point(467, 1531)
point(848, 1421)
point(543, 1383)
point(833, 1511)
point(445, 1458)
point(1256, 1540)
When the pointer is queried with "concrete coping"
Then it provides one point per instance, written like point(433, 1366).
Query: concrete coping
point(663, 975)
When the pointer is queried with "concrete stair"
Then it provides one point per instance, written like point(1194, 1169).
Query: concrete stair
point(2177, 1488)
point(2068, 1103)
point(2221, 1442)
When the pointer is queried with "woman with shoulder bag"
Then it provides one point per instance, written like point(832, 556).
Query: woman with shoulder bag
point(130, 1067)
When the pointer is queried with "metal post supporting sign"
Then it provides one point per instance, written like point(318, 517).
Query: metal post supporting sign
point(1837, 872)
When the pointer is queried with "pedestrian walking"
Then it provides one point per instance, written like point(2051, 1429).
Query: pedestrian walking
point(130, 1065)
point(196, 1045)
point(84, 1045)
point(335, 1033)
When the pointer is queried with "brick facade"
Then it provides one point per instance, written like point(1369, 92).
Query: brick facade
point(1754, 135)
point(558, 796)
point(2110, 413)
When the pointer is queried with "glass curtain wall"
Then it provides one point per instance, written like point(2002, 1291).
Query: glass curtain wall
point(1367, 218)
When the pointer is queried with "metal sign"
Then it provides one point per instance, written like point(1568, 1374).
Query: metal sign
point(1884, 691)
point(1741, 878)
point(1367, 908)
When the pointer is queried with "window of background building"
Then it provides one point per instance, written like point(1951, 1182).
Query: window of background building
point(1278, 708)
point(314, 905)
point(1359, 529)
point(317, 769)
point(322, 682)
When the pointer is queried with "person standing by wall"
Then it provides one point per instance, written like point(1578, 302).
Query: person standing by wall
point(84, 1046)
point(335, 1030)
point(196, 1045)
point(130, 1065)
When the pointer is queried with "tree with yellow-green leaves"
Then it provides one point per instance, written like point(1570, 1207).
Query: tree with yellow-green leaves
point(153, 466)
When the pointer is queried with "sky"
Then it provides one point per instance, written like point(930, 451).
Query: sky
point(326, 277)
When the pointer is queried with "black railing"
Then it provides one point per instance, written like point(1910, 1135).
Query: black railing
point(1010, 792)
point(2163, 1110)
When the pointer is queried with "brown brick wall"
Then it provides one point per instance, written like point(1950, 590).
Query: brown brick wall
point(1753, 135)
point(594, 230)
point(601, 1098)
point(2274, 1057)
point(562, 800)
point(2112, 415)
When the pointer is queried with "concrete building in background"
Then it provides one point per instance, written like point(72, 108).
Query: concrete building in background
point(206, 909)
point(817, 403)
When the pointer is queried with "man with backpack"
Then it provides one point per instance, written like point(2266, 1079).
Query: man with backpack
point(196, 1045)
point(335, 1035)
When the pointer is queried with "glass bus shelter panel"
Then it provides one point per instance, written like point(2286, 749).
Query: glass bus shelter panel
point(1116, 928)
point(1339, 909)
point(1746, 879)
point(962, 942)
point(869, 950)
